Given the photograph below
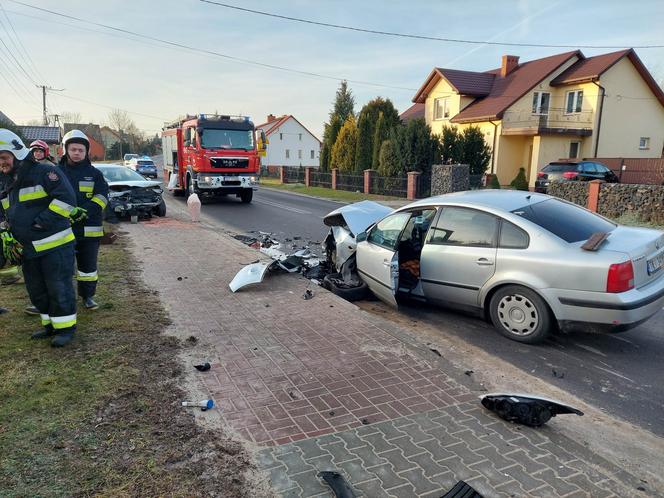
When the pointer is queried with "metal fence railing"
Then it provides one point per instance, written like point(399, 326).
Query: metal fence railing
point(424, 186)
point(267, 172)
point(392, 186)
point(352, 183)
point(321, 179)
point(294, 175)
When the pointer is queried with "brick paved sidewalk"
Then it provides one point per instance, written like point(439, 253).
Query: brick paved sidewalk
point(321, 385)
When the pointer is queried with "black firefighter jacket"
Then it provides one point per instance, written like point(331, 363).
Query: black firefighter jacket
point(91, 194)
point(37, 207)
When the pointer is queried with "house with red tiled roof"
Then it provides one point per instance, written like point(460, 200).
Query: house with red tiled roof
point(563, 106)
point(290, 143)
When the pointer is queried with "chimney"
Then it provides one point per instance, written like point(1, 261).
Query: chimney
point(510, 63)
point(271, 117)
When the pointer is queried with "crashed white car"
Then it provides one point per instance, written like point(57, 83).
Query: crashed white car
point(528, 261)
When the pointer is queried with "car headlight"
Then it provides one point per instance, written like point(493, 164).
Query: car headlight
point(157, 190)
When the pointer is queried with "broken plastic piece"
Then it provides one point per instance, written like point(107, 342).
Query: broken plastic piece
point(338, 484)
point(532, 411)
point(308, 294)
point(206, 404)
point(204, 367)
point(250, 274)
point(462, 490)
point(595, 240)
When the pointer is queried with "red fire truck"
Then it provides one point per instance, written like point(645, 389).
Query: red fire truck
point(212, 155)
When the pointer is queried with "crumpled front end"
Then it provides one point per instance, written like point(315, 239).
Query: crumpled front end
point(126, 200)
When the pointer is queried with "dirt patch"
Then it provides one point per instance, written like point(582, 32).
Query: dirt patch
point(103, 417)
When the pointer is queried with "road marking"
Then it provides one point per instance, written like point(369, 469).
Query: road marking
point(614, 373)
point(623, 340)
point(282, 206)
point(588, 348)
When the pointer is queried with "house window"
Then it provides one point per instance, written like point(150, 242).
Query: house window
point(300, 137)
point(287, 154)
point(312, 154)
point(574, 149)
point(541, 102)
point(299, 154)
point(281, 136)
point(644, 143)
point(441, 108)
point(574, 101)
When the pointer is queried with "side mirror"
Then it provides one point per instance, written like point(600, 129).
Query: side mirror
point(361, 237)
point(264, 139)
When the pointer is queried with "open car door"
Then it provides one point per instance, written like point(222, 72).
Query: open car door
point(378, 258)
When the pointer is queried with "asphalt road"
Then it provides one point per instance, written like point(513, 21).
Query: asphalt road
point(621, 373)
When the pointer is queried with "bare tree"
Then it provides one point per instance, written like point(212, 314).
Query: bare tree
point(70, 117)
point(119, 120)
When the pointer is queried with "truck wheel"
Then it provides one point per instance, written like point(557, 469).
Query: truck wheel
point(160, 210)
point(246, 195)
point(520, 314)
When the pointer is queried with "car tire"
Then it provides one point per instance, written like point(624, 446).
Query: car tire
point(348, 293)
point(246, 195)
point(160, 210)
point(520, 314)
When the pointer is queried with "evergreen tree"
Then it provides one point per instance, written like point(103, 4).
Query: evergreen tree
point(343, 151)
point(520, 182)
point(343, 107)
point(450, 145)
point(415, 146)
point(381, 134)
point(344, 103)
point(364, 150)
point(388, 159)
point(475, 152)
point(495, 183)
point(329, 137)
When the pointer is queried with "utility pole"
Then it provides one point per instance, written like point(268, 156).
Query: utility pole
point(44, 88)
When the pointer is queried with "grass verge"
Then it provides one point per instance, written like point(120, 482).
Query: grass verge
point(102, 416)
point(327, 193)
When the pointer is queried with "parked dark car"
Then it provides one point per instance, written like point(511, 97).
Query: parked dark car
point(573, 171)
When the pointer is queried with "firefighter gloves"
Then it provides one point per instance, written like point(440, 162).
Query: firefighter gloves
point(12, 250)
point(78, 214)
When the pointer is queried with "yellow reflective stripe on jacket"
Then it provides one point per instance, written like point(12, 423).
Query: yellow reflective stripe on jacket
point(100, 199)
point(62, 208)
point(45, 319)
point(86, 277)
point(93, 231)
point(63, 322)
point(5, 203)
point(55, 240)
point(86, 186)
point(31, 193)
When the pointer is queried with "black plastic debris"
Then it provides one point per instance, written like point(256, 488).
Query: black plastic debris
point(556, 374)
point(246, 239)
point(462, 490)
point(308, 294)
point(337, 483)
point(469, 372)
point(532, 411)
point(204, 367)
point(435, 351)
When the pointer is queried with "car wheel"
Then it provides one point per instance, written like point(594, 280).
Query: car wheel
point(348, 293)
point(246, 195)
point(520, 314)
point(160, 210)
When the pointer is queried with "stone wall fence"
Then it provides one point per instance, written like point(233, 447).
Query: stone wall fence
point(447, 178)
point(644, 203)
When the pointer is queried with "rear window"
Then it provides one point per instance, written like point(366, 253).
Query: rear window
point(567, 221)
point(146, 163)
point(559, 167)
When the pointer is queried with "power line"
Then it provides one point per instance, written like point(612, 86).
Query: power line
point(17, 83)
point(112, 107)
point(418, 37)
point(18, 64)
point(212, 52)
point(26, 54)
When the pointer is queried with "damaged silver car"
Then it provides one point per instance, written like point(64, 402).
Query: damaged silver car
point(130, 194)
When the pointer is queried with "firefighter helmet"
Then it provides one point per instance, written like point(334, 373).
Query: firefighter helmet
point(75, 137)
point(11, 142)
point(40, 144)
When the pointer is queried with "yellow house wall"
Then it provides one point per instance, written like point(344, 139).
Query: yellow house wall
point(630, 112)
point(456, 102)
point(511, 157)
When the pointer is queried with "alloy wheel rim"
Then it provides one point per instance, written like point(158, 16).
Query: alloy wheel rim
point(518, 315)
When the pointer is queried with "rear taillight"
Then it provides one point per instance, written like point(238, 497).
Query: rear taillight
point(570, 175)
point(541, 174)
point(620, 277)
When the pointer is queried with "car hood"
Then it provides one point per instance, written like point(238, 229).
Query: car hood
point(357, 217)
point(135, 183)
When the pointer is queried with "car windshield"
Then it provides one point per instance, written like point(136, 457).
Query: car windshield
point(227, 139)
point(559, 167)
point(567, 221)
point(121, 174)
point(128, 157)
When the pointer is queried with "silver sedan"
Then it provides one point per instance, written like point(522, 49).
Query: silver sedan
point(522, 259)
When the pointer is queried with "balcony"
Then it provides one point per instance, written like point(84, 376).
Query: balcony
point(555, 122)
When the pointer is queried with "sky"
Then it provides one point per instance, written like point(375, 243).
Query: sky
point(98, 69)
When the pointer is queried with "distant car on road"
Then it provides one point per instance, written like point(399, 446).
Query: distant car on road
point(143, 165)
point(583, 171)
point(131, 194)
point(512, 256)
point(128, 158)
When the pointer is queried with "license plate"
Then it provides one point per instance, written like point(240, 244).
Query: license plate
point(655, 264)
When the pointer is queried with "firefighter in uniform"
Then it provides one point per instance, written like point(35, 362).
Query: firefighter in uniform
point(39, 207)
point(41, 152)
point(91, 195)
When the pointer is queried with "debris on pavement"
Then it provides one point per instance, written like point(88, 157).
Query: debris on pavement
point(532, 411)
point(556, 374)
point(435, 351)
point(194, 205)
point(204, 367)
point(250, 274)
point(469, 372)
point(462, 490)
point(308, 294)
point(337, 483)
point(205, 404)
